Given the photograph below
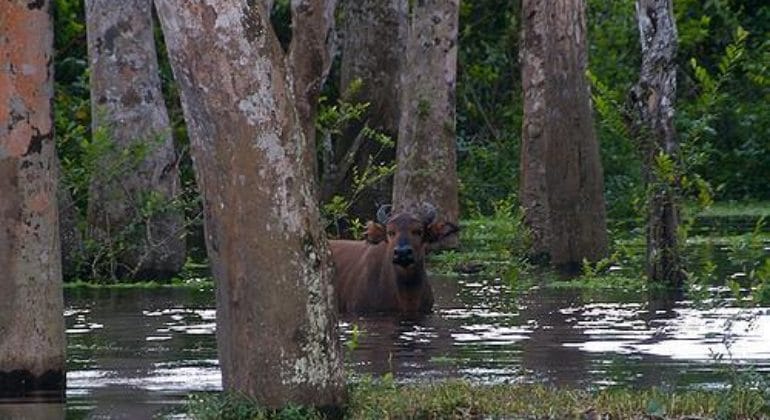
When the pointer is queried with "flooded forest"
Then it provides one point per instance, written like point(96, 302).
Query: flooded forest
point(384, 209)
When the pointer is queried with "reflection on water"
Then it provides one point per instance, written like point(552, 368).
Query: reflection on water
point(134, 353)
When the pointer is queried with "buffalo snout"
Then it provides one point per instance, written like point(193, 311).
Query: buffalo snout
point(403, 255)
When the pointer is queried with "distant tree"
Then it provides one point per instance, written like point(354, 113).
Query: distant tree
point(276, 317)
point(561, 173)
point(426, 169)
point(128, 210)
point(31, 321)
point(372, 54)
point(652, 100)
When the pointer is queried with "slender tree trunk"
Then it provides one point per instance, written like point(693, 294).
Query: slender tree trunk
point(309, 60)
point(276, 320)
point(561, 174)
point(127, 104)
point(373, 47)
point(426, 152)
point(653, 100)
point(31, 307)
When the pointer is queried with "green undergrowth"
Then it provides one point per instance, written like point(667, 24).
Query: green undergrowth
point(384, 399)
point(737, 209)
point(196, 283)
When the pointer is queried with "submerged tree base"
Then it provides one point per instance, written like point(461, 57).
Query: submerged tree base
point(379, 399)
point(22, 383)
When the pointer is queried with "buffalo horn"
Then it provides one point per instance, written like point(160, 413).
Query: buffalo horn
point(383, 213)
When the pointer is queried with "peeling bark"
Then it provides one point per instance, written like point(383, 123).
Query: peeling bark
point(562, 184)
point(652, 100)
point(127, 102)
point(373, 46)
point(31, 323)
point(276, 317)
point(426, 151)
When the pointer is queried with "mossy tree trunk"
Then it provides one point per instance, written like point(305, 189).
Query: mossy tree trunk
point(129, 206)
point(562, 183)
point(31, 307)
point(652, 100)
point(426, 169)
point(373, 44)
point(276, 320)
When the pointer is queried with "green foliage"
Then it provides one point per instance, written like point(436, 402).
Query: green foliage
point(489, 102)
point(494, 245)
point(333, 121)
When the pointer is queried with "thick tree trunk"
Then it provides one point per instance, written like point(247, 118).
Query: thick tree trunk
point(276, 321)
point(561, 174)
point(127, 103)
point(31, 321)
point(373, 47)
point(426, 152)
point(653, 100)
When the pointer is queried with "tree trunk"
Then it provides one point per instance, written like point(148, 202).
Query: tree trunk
point(373, 46)
point(561, 174)
point(127, 105)
point(309, 58)
point(276, 320)
point(31, 321)
point(427, 163)
point(653, 102)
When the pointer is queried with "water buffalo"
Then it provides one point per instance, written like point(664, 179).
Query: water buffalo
point(385, 272)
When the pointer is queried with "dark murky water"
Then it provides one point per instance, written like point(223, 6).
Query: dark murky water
point(137, 353)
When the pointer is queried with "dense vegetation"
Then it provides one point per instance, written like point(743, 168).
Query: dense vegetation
point(723, 118)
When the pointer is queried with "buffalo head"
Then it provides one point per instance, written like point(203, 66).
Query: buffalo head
point(408, 233)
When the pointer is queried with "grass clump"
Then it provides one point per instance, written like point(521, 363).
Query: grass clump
point(384, 399)
point(238, 407)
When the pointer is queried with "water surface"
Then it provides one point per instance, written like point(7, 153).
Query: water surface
point(137, 353)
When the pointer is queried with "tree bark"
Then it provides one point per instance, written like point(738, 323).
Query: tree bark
point(426, 169)
point(31, 321)
point(127, 103)
point(653, 100)
point(276, 319)
point(561, 174)
point(309, 60)
point(373, 46)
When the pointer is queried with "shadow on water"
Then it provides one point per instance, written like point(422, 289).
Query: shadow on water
point(135, 353)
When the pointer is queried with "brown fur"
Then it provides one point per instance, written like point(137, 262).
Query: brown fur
point(368, 281)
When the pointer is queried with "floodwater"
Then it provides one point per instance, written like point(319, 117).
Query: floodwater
point(138, 353)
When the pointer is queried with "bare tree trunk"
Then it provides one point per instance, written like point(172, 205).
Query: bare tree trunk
point(310, 57)
point(426, 152)
point(561, 174)
point(653, 102)
point(276, 320)
point(373, 46)
point(31, 321)
point(127, 104)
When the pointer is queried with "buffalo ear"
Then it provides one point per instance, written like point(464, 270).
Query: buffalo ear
point(440, 230)
point(374, 233)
